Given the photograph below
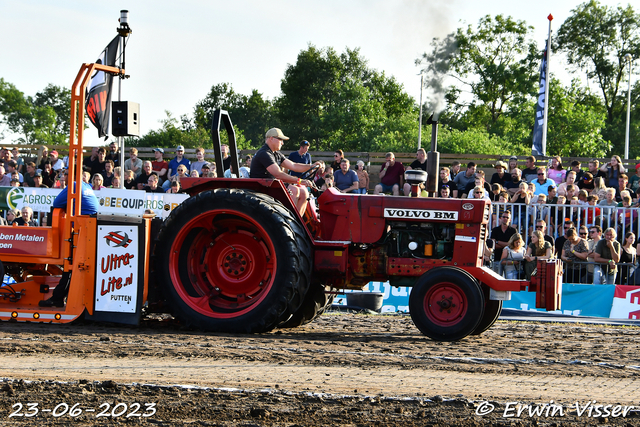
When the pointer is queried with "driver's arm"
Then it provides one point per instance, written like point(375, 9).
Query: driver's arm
point(296, 167)
point(285, 177)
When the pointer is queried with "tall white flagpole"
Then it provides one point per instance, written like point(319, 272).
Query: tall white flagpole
point(547, 82)
point(420, 119)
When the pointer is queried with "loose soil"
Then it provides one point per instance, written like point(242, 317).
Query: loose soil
point(342, 369)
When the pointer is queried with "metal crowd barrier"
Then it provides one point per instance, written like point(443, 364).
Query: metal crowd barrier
point(623, 220)
point(523, 217)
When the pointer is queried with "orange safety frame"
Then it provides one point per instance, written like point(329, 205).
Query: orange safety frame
point(70, 227)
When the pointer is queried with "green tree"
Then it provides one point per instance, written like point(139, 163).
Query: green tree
point(595, 39)
point(494, 62)
point(335, 101)
point(174, 132)
point(476, 141)
point(40, 120)
point(576, 120)
point(252, 114)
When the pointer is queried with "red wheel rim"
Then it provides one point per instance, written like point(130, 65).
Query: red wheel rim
point(445, 304)
point(222, 264)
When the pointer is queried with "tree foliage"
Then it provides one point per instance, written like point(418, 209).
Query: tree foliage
point(183, 132)
point(476, 141)
point(596, 39)
point(495, 62)
point(43, 119)
point(576, 120)
point(335, 101)
point(252, 114)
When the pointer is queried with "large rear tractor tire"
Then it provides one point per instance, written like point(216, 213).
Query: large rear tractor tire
point(232, 261)
point(315, 303)
point(446, 304)
point(492, 310)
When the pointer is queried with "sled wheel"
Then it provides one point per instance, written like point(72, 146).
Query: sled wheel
point(492, 310)
point(315, 303)
point(446, 304)
point(229, 261)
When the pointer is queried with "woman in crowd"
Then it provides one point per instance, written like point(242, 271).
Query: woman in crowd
point(537, 249)
point(48, 175)
point(570, 179)
point(480, 193)
point(14, 217)
point(512, 256)
point(627, 256)
point(599, 189)
point(556, 171)
point(174, 188)
point(129, 180)
point(319, 178)
point(337, 159)
point(97, 182)
point(574, 252)
point(43, 156)
point(613, 169)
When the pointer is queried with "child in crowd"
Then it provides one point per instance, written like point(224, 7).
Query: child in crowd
point(363, 177)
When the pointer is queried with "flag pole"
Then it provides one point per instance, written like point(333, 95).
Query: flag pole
point(124, 31)
point(546, 90)
point(420, 119)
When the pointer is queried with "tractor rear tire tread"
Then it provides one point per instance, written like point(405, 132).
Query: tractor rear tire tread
point(279, 224)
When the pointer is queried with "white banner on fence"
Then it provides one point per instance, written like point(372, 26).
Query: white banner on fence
point(134, 201)
point(111, 200)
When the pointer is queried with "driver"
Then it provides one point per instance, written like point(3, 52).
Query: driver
point(268, 162)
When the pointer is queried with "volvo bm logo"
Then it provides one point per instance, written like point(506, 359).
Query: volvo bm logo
point(419, 214)
point(467, 206)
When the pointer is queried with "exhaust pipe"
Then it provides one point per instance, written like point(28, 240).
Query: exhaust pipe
point(433, 160)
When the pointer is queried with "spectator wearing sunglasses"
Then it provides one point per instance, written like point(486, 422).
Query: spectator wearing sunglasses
point(543, 183)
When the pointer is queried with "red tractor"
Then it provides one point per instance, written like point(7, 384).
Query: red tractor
point(238, 257)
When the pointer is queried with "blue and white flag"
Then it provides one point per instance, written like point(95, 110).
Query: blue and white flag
point(536, 148)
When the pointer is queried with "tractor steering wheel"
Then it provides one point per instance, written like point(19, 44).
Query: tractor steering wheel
point(311, 173)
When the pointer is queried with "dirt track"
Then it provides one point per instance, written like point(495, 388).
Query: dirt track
point(343, 369)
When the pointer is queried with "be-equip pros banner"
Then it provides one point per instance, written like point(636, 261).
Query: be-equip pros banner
point(111, 200)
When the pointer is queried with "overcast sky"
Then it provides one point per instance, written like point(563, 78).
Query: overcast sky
point(179, 49)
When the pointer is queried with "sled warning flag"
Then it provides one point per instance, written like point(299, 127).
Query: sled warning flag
point(98, 96)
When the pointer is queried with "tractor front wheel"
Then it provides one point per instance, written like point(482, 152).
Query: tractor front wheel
point(446, 304)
